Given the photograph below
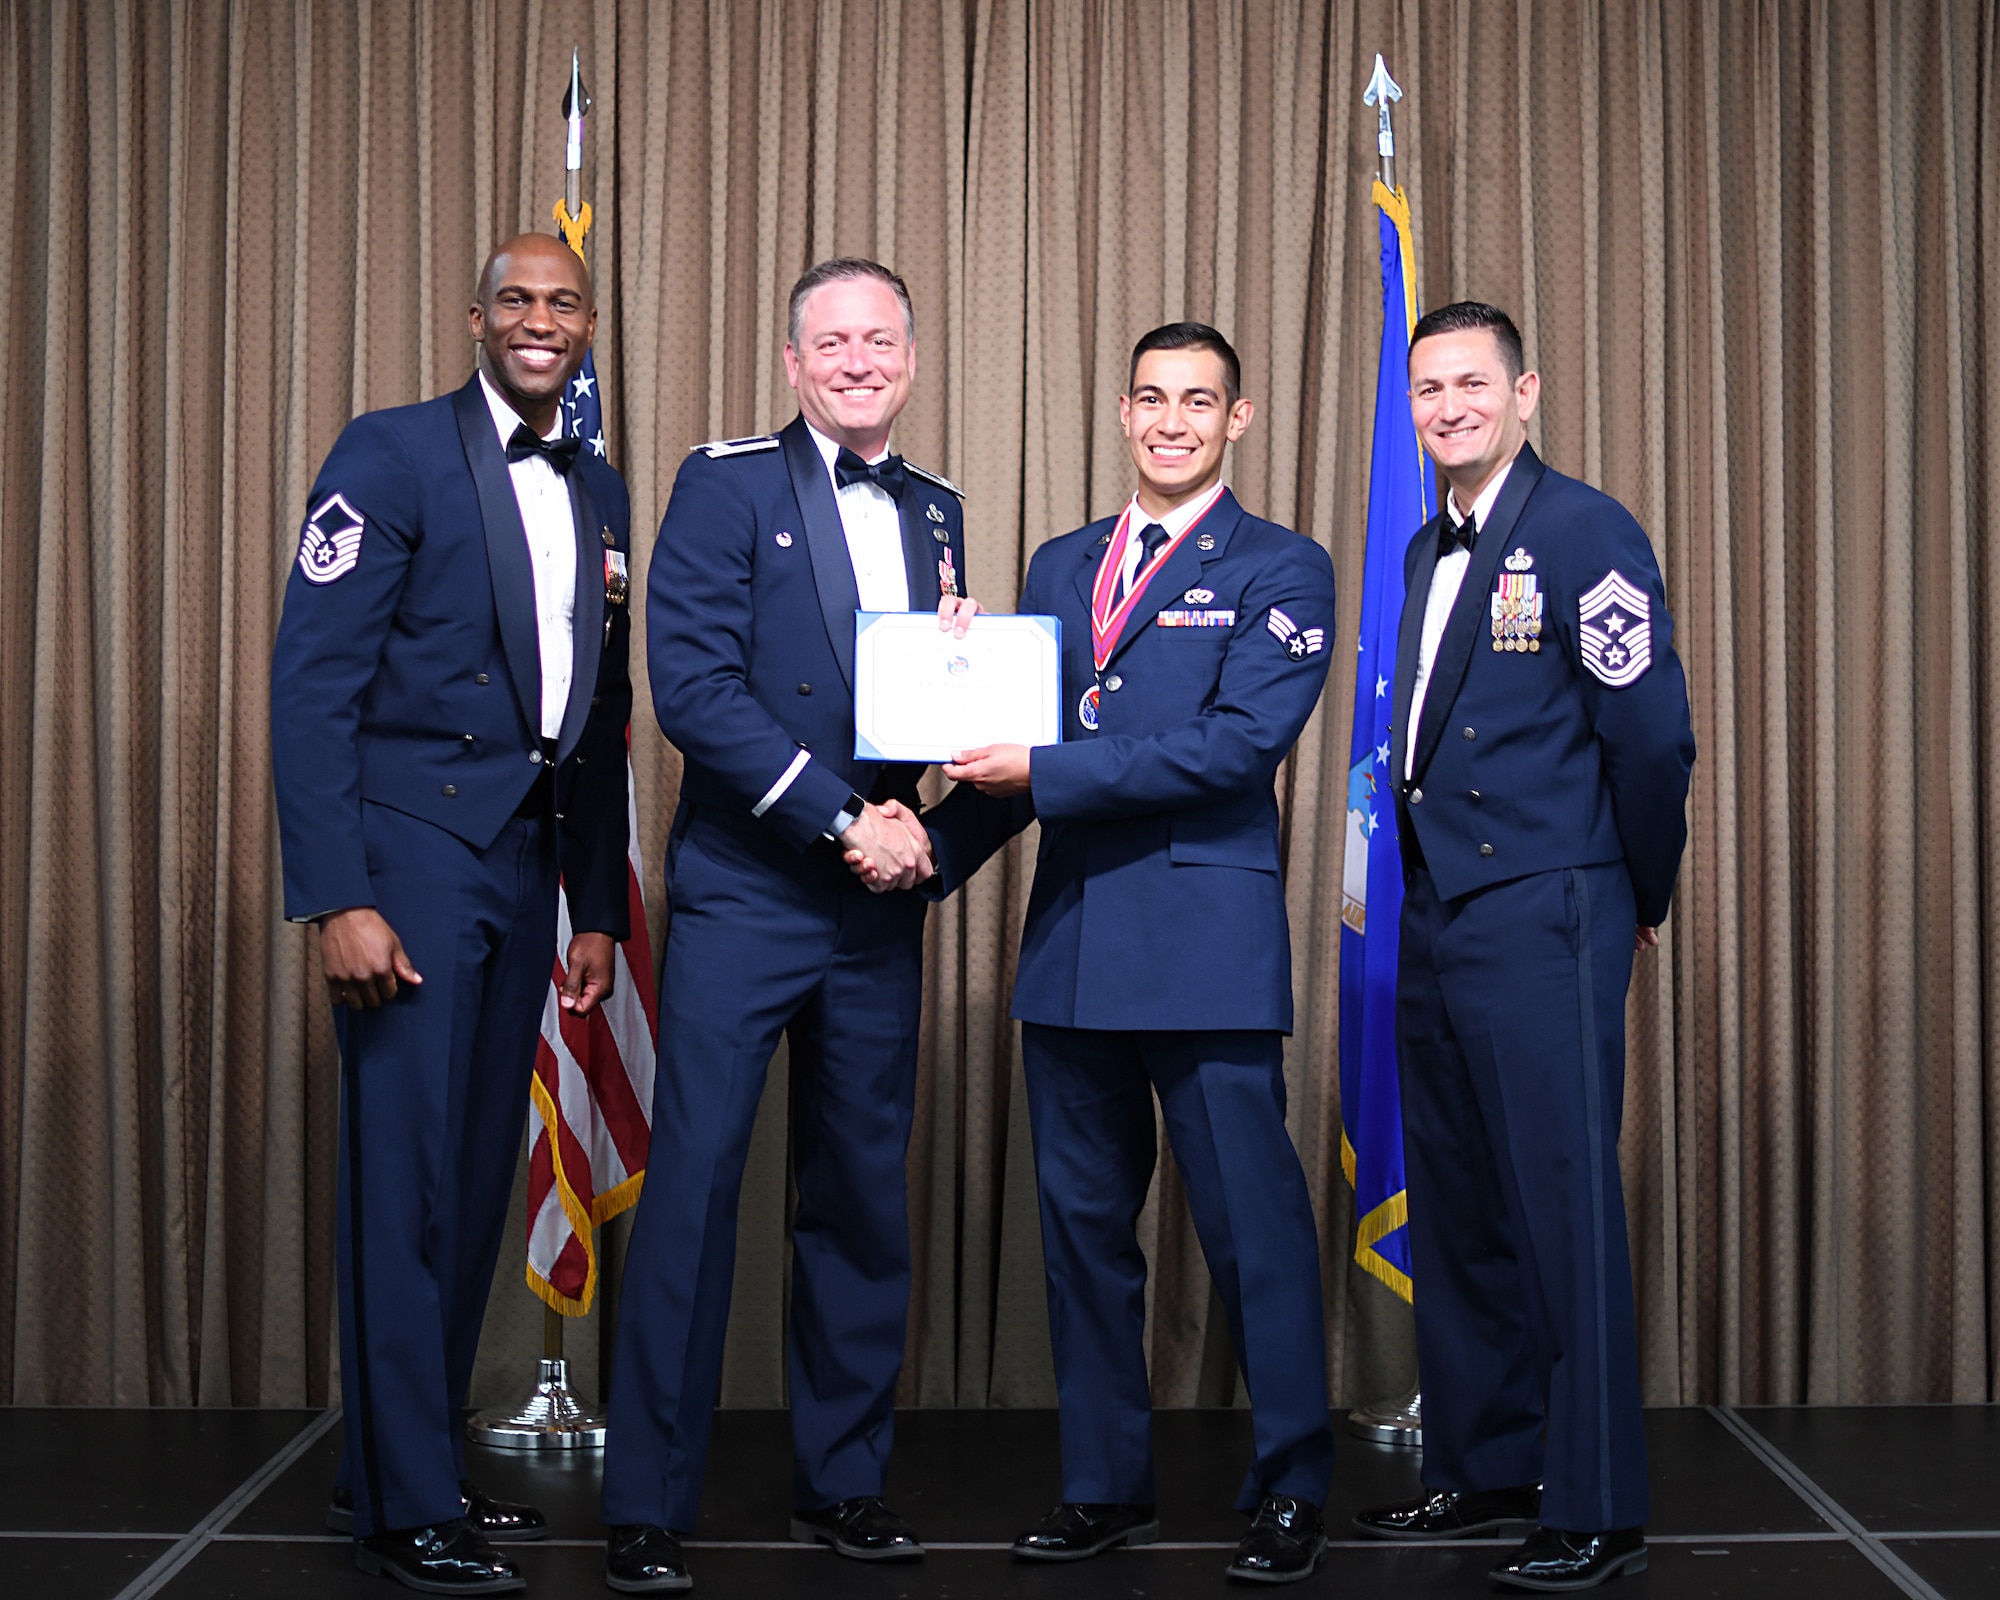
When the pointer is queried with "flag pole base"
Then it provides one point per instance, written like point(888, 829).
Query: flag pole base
point(553, 1417)
point(1398, 1422)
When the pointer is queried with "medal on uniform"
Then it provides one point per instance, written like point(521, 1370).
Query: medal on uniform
point(1108, 614)
point(1516, 606)
point(1086, 709)
point(947, 577)
point(617, 585)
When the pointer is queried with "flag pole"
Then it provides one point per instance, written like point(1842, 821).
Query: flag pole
point(554, 1416)
point(1397, 1421)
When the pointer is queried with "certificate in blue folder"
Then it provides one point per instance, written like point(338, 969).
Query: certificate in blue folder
point(922, 695)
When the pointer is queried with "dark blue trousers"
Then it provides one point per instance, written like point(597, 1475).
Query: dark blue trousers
point(765, 943)
point(1510, 1019)
point(1222, 1097)
point(433, 1097)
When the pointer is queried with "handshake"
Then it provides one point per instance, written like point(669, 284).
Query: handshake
point(887, 848)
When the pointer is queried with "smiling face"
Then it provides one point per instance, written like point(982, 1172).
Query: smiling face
point(534, 320)
point(1470, 416)
point(1178, 421)
point(852, 362)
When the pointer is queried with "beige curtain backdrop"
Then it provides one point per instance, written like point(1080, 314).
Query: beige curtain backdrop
point(1755, 250)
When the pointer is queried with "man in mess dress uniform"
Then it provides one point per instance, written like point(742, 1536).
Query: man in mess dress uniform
point(1541, 755)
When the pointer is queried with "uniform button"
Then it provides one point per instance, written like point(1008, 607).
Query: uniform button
point(535, 756)
point(1114, 683)
point(559, 816)
point(805, 688)
point(1477, 795)
point(451, 791)
point(482, 678)
point(579, 761)
point(593, 701)
point(1467, 733)
point(468, 738)
point(1416, 797)
point(1486, 849)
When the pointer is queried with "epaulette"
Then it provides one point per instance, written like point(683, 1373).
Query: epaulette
point(716, 449)
point(937, 478)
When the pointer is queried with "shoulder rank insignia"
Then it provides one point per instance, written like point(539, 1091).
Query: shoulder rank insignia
point(937, 478)
point(1298, 642)
point(716, 449)
point(1615, 619)
point(331, 543)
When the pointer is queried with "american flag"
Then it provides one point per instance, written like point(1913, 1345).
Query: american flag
point(593, 1085)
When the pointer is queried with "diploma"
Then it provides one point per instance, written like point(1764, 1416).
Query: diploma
point(921, 694)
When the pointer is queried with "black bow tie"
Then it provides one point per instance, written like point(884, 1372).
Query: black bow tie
point(886, 474)
point(559, 453)
point(1456, 535)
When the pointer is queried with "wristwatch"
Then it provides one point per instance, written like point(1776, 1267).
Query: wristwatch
point(848, 814)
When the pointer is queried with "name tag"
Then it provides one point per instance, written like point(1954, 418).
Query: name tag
point(1181, 617)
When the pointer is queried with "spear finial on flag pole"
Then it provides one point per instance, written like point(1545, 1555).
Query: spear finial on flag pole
point(572, 210)
point(1382, 90)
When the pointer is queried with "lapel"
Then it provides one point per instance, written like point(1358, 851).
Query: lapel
point(1469, 611)
point(833, 568)
point(586, 613)
point(507, 560)
point(1409, 642)
point(922, 549)
point(1182, 571)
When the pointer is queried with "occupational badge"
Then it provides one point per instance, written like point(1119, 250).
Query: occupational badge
point(1615, 621)
point(1199, 597)
point(933, 513)
point(1298, 642)
point(331, 543)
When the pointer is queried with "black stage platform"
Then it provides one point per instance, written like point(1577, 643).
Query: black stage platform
point(1766, 1504)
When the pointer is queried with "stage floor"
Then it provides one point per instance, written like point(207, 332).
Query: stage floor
point(1766, 1504)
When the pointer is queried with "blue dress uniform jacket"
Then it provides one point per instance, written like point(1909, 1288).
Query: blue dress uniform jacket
point(751, 599)
point(1543, 819)
point(406, 750)
point(1156, 960)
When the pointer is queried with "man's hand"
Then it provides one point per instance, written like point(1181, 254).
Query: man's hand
point(591, 973)
point(362, 959)
point(1646, 939)
point(955, 614)
point(888, 848)
point(1000, 770)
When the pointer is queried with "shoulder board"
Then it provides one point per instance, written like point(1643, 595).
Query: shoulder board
point(937, 478)
point(715, 449)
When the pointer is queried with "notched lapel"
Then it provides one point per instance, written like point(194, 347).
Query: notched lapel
point(1183, 568)
point(1469, 611)
point(833, 568)
point(507, 560)
point(1409, 639)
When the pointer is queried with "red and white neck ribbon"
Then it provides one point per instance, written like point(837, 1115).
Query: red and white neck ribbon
point(1107, 621)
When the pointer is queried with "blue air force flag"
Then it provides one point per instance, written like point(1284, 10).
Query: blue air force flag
point(1371, 900)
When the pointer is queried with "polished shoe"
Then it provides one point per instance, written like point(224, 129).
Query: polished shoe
point(1447, 1515)
point(1077, 1529)
point(450, 1558)
point(496, 1521)
point(1285, 1541)
point(863, 1528)
point(1553, 1561)
point(642, 1559)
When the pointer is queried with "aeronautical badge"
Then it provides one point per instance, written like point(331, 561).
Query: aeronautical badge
point(1516, 606)
point(1298, 642)
point(1199, 597)
point(1086, 709)
point(1615, 619)
point(933, 513)
point(331, 542)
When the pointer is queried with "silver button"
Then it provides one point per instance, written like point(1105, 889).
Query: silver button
point(1477, 795)
point(535, 756)
point(1416, 797)
point(1486, 849)
point(1114, 683)
point(1467, 733)
point(468, 738)
point(451, 791)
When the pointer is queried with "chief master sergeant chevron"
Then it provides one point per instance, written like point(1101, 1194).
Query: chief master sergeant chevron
point(448, 710)
point(1541, 752)
point(767, 549)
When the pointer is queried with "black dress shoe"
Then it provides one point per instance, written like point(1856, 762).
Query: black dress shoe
point(496, 1521)
point(1077, 1529)
point(449, 1558)
point(1285, 1541)
point(863, 1528)
point(642, 1559)
point(1447, 1515)
point(1554, 1561)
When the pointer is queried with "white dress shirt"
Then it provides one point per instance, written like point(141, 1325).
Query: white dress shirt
point(1176, 522)
point(1445, 581)
point(543, 496)
point(874, 529)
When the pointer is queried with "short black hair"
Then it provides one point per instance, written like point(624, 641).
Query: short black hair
point(1468, 316)
point(845, 269)
point(1191, 336)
